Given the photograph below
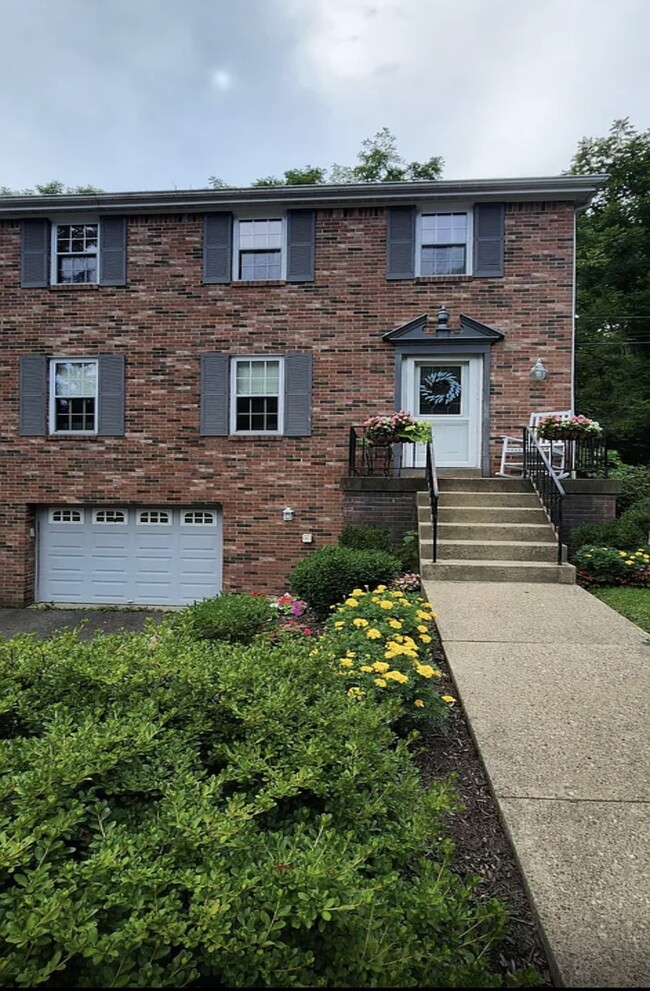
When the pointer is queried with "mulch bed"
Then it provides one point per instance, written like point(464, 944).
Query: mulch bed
point(482, 848)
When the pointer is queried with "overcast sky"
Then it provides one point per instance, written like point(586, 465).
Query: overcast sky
point(158, 94)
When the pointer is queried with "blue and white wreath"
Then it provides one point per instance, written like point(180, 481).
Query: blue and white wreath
point(434, 398)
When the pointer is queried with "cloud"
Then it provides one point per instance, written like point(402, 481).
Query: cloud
point(221, 80)
point(497, 88)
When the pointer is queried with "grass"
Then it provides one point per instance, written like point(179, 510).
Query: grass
point(634, 603)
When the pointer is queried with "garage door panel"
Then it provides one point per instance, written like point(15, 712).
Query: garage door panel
point(138, 562)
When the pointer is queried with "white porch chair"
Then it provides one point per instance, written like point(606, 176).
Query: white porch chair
point(512, 452)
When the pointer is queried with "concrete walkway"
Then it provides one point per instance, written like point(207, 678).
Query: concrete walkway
point(556, 688)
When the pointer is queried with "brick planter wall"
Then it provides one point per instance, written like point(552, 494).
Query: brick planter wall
point(589, 500)
point(385, 502)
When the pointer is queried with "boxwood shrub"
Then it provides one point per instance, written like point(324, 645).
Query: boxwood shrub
point(328, 575)
point(176, 811)
point(230, 617)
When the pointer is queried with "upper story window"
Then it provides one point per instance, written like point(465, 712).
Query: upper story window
point(443, 247)
point(259, 249)
point(74, 253)
point(73, 396)
point(257, 388)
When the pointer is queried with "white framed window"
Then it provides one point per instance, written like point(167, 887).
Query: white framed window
point(257, 388)
point(118, 516)
point(259, 249)
point(198, 517)
point(444, 240)
point(75, 253)
point(157, 517)
point(73, 396)
point(66, 516)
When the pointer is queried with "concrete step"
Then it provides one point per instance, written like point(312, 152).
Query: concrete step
point(468, 570)
point(494, 531)
point(522, 500)
point(492, 550)
point(491, 514)
point(485, 485)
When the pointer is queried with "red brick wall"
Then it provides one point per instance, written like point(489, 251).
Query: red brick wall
point(165, 318)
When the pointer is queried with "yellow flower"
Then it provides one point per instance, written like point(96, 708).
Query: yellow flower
point(423, 629)
point(373, 634)
point(395, 623)
point(355, 692)
point(629, 561)
point(345, 662)
point(380, 682)
point(397, 676)
point(380, 588)
point(622, 554)
point(360, 621)
point(425, 670)
point(366, 668)
point(352, 602)
point(419, 704)
point(421, 614)
point(350, 653)
point(381, 666)
point(339, 624)
point(397, 595)
point(448, 698)
point(385, 604)
point(357, 591)
point(425, 638)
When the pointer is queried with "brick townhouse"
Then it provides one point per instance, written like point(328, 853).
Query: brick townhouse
point(179, 369)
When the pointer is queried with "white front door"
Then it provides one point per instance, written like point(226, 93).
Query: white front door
point(447, 393)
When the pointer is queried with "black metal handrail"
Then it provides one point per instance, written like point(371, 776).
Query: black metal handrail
point(539, 468)
point(588, 456)
point(371, 458)
point(431, 476)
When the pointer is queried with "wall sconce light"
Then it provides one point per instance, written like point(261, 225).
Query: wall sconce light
point(288, 514)
point(538, 373)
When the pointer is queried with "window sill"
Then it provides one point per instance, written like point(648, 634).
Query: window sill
point(259, 282)
point(74, 436)
point(443, 278)
point(254, 438)
point(75, 287)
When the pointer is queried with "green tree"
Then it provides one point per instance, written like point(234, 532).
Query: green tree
point(377, 161)
point(52, 188)
point(613, 300)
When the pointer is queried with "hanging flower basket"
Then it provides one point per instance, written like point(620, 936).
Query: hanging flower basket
point(568, 428)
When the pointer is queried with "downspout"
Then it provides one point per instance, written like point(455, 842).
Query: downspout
point(573, 312)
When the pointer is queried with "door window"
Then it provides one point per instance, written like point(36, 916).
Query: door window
point(439, 390)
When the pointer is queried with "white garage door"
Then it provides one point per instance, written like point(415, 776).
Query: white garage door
point(124, 555)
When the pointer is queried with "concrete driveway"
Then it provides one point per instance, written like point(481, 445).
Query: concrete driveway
point(44, 622)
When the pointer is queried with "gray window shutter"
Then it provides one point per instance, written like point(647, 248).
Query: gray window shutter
point(215, 371)
point(110, 414)
point(488, 239)
point(400, 249)
point(297, 395)
point(301, 234)
point(35, 260)
point(33, 395)
point(112, 251)
point(217, 247)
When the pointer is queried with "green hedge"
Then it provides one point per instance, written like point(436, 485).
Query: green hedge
point(629, 531)
point(328, 575)
point(175, 810)
point(231, 617)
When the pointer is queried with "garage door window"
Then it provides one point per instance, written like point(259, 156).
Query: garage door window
point(198, 518)
point(117, 516)
point(66, 516)
point(149, 517)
